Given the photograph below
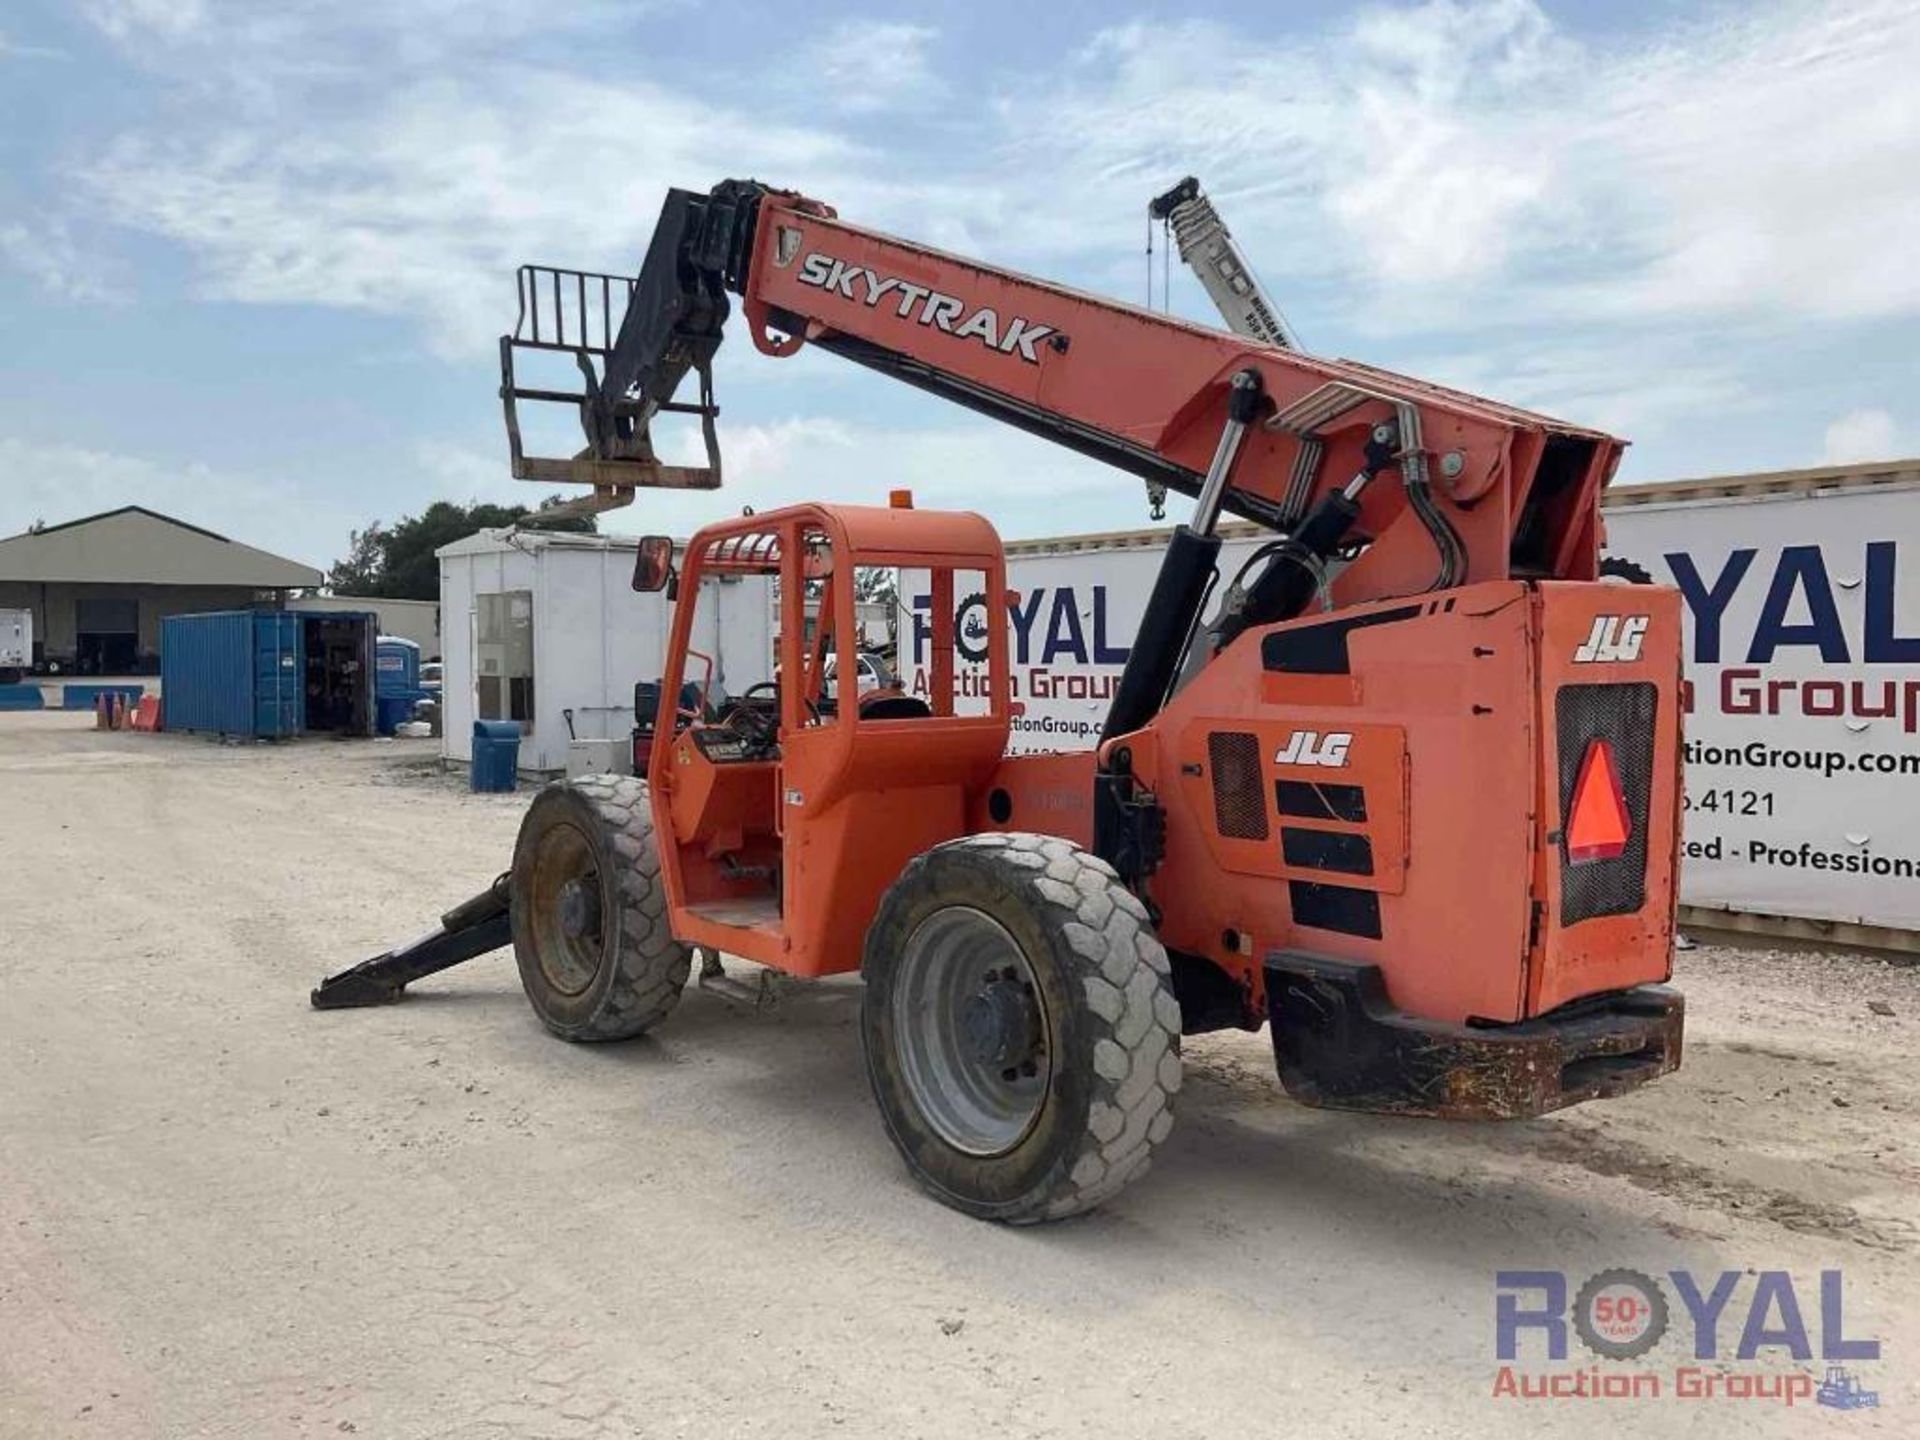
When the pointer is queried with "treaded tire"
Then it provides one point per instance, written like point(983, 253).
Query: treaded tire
point(640, 968)
point(1113, 1023)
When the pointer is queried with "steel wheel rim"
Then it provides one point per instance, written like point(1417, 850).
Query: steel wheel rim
point(565, 871)
point(964, 984)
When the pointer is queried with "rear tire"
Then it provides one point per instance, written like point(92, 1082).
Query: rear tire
point(597, 958)
point(1020, 1027)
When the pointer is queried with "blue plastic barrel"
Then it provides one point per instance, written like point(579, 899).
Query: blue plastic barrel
point(496, 755)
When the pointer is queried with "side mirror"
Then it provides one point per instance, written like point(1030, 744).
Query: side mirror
point(653, 565)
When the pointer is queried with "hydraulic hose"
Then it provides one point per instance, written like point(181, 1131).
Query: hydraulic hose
point(1446, 540)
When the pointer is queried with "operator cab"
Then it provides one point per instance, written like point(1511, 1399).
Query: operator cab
point(756, 793)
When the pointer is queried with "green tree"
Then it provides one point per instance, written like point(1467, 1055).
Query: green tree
point(397, 563)
point(360, 571)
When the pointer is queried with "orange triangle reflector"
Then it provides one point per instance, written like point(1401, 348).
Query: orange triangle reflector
point(1597, 820)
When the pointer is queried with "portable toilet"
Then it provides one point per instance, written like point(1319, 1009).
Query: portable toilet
point(396, 684)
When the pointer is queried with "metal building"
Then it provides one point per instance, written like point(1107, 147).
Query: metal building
point(98, 587)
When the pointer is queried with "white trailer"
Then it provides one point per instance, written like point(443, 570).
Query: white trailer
point(1079, 603)
point(1802, 615)
point(544, 628)
point(1802, 605)
point(16, 644)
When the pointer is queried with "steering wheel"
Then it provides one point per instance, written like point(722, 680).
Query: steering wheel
point(772, 687)
point(756, 715)
point(757, 720)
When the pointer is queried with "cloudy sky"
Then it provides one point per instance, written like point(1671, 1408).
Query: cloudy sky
point(254, 257)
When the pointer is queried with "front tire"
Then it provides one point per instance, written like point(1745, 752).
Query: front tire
point(597, 957)
point(1020, 1028)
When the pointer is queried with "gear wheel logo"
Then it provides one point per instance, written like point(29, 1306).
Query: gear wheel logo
point(1620, 1314)
point(970, 628)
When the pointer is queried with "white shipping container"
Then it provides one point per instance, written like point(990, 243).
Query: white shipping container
point(1802, 661)
point(545, 628)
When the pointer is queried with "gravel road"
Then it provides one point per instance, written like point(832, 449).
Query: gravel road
point(224, 1214)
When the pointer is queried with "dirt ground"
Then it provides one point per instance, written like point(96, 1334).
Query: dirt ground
point(225, 1214)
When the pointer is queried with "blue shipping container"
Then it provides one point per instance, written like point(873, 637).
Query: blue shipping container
point(232, 672)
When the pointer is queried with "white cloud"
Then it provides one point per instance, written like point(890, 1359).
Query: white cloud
point(1450, 161)
point(1862, 435)
point(1404, 150)
point(46, 253)
point(861, 66)
point(1419, 178)
point(467, 475)
point(426, 206)
point(57, 482)
point(146, 19)
point(1024, 485)
point(1765, 162)
point(1625, 232)
point(1603, 382)
point(14, 50)
point(1439, 165)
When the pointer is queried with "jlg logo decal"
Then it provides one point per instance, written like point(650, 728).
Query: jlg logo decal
point(1310, 747)
point(1614, 638)
point(942, 312)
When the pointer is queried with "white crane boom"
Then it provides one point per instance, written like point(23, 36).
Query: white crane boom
point(1208, 249)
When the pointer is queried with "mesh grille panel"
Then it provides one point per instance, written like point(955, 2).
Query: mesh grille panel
point(1623, 716)
point(1239, 792)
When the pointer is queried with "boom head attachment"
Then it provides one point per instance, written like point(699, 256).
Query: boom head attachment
point(633, 339)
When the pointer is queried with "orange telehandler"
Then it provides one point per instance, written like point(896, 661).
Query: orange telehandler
point(1405, 788)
